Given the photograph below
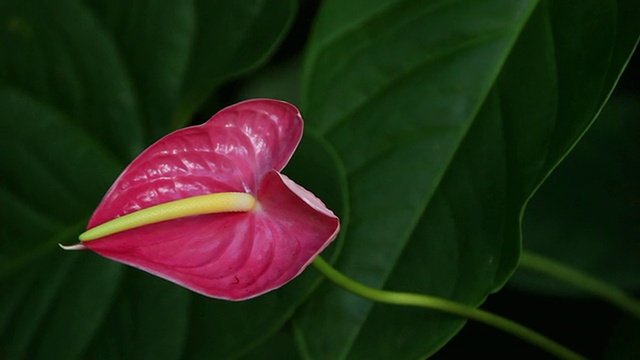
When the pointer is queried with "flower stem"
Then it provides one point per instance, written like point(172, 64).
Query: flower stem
point(444, 305)
point(580, 280)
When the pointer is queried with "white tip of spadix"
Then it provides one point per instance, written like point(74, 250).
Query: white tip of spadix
point(78, 246)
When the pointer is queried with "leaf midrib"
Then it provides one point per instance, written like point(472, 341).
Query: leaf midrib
point(353, 28)
point(525, 14)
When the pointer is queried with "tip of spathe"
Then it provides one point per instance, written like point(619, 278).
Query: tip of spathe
point(78, 246)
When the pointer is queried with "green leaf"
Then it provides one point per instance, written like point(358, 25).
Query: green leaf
point(280, 80)
point(443, 142)
point(149, 320)
point(624, 343)
point(227, 43)
point(154, 39)
point(78, 308)
point(46, 182)
point(60, 55)
point(279, 346)
point(177, 51)
point(50, 300)
point(587, 223)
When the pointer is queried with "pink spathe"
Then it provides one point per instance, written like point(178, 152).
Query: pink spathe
point(235, 255)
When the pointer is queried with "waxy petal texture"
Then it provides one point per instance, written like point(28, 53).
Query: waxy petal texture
point(232, 256)
point(230, 152)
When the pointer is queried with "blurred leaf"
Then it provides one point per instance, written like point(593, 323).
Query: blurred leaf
point(153, 38)
point(148, 321)
point(59, 55)
point(50, 299)
point(586, 213)
point(443, 143)
point(52, 106)
point(279, 346)
point(232, 37)
point(278, 81)
point(179, 51)
point(44, 197)
point(79, 306)
point(52, 173)
point(625, 340)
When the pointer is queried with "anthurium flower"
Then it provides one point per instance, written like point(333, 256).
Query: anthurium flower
point(206, 207)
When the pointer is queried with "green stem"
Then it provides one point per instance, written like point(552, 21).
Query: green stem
point(581, 280)
point(444, 305)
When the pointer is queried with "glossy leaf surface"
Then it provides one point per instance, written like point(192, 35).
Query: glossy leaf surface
point(444, 141)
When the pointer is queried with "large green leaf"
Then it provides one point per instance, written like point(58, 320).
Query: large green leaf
point(177, 51)
point(46, 167)
point(153, 38)
point(279, 346)
point(624, 342)
point(148, 321)
point(447, 115)
point(246, 32)
point(53, 303)
point(60, 55)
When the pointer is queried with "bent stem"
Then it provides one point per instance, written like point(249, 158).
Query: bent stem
point(447, 306)
point(580, 280)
